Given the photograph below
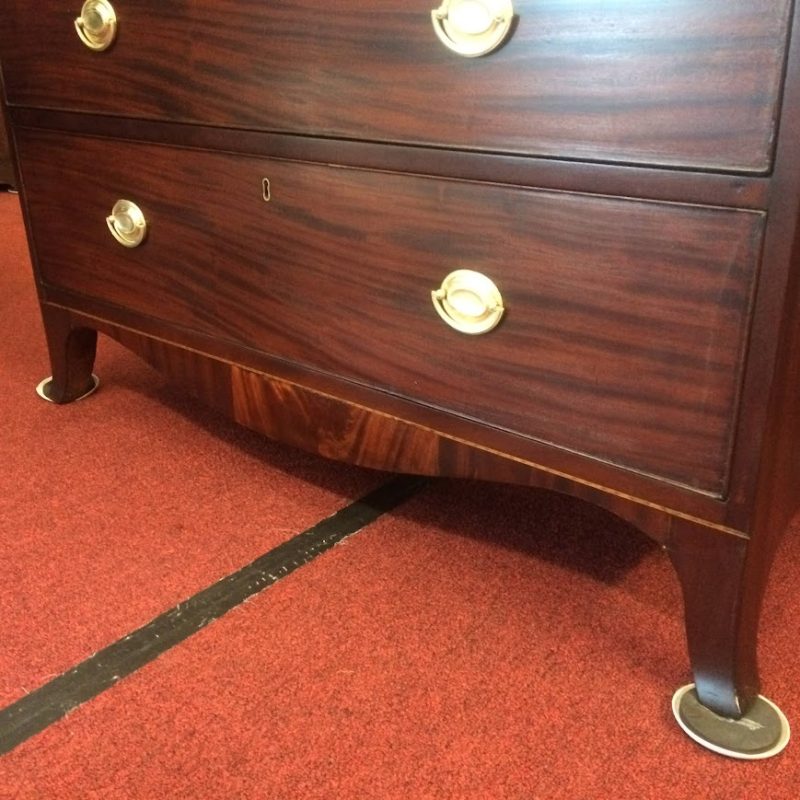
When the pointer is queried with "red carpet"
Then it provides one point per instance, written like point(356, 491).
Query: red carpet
point(118, 507)
point(480, 642)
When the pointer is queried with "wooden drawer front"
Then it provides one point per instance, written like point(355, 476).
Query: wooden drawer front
point(625, 320)
point(674, 82)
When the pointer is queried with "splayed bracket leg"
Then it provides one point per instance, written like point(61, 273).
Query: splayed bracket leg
point(72, 353)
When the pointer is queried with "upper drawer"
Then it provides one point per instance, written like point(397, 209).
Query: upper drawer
point(624, 321)
point(673, 82)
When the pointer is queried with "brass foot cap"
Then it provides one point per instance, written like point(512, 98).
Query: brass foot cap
point(761, 733)
point(42, 389)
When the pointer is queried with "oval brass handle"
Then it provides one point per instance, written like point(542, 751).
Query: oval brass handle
point(97, 24)
point(127, 223)
point(469, 302)
point(473, 27)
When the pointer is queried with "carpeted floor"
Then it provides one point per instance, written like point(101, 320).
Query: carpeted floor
point(477, 642)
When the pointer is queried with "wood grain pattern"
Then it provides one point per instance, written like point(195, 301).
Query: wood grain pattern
point(770, 495)
point(346, 431)
point(625, 323)
point(651, 183)
point(677, 82)
point(568, 466)
point(6, 167)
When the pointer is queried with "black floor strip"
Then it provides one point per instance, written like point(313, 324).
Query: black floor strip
point(46, 705)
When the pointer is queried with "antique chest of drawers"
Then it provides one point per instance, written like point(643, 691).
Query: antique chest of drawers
point(550, 243)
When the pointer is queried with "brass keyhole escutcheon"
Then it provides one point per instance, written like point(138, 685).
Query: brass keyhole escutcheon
point(97, 24)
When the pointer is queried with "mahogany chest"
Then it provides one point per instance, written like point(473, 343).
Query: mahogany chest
point(549, 243)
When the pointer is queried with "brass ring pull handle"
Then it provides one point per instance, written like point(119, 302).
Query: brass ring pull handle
point(469, 302)
point(473, 27)
point(127, 223)
point(97, 24)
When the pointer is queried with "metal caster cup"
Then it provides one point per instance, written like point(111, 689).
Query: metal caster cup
point(41, 389)
point(762, 733)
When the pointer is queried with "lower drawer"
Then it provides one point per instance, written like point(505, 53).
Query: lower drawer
point(624, 323)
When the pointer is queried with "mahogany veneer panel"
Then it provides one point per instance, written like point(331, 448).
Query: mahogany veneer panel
point(351, 432)
point(625, 320)
point(674, 82)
